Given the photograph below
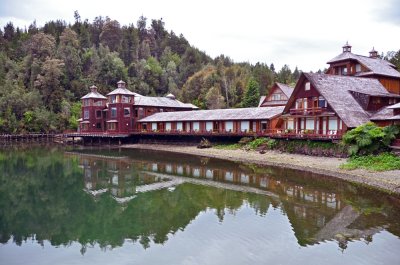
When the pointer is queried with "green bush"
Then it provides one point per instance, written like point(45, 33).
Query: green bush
point(257, 142)
point(369, 138)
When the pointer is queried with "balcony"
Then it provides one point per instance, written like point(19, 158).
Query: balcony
point(307, 111)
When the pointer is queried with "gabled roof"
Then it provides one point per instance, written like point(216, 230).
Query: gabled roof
point(375, 65)
point(93, 94)
point(287, 90)
point(262, 98)
point(337, 92)
point(216, 115)
point(161, 102)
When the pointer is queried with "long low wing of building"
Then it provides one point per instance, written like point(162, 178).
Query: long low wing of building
point(240, 120)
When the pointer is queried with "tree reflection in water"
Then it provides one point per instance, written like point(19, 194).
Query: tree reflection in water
point(105, 197)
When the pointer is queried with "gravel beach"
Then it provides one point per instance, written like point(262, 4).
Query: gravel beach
point(329, 166)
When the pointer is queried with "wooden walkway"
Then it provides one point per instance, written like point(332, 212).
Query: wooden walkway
point(29, 137)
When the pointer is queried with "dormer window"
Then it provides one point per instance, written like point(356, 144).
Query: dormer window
point(358, 68)
point(307, 86)
point(343, 71)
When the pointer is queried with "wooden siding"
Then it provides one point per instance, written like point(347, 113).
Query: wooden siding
point(392, 85)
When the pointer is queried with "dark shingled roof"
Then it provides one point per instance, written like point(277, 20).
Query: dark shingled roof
point(162, 102)
point(262, 98)
point(336, 90)
point(122, 91)
point(385, 114)
point(93, 94)
point(216, 114)
point(288, 90)
point(395, 106)
point(375, 65)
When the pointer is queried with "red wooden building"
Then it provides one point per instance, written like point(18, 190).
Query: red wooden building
point(93, 117)
point(350, 64)
point(354, 90)
point(278, 95)
point(119, 112)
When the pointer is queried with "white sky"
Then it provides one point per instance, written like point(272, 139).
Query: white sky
point(304, 33)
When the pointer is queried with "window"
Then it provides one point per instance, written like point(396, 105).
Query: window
point(307, 86)
point(376, 101)
point(141, 113)
point(86, 115)
point(127, 112)
point(98, 103)
point(98, 114)
point(86, 102)
point(98, 125)
point(276, 97)
point(179, 126)
point(299, 103)
point(358, 68)
point(344, 71)
point(111, 126)
point(322, 102)
point(136, 113)
point(126, 99)
point(85, 126)
point(263, 125)
point(113, 99)
point(161, 110)
point(229, 126)
point(392, 101)
point(113, 112)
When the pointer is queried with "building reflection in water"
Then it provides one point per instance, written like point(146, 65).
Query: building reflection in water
point(318, 209)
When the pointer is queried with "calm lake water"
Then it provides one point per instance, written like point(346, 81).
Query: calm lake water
point(110, 206)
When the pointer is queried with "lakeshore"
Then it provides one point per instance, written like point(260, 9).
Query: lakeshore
point(388, 181)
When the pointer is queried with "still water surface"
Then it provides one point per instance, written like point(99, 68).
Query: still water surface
point(93, 206)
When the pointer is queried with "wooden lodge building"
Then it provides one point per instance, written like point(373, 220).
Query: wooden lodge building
point(354, 90)
point(119, 112)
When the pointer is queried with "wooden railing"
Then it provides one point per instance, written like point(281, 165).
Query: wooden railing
point(276, 133)
point(306, 111)
point(306, 134)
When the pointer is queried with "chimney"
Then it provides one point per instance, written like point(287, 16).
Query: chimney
point(121, 84)
point(373, 53)
point(347, 47)
point(93, 88)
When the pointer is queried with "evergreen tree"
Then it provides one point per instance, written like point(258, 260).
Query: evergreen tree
point(252, 95)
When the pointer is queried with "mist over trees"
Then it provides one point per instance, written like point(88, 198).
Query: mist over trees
point(44, 71)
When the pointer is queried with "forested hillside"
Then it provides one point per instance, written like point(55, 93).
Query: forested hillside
point(45, 70)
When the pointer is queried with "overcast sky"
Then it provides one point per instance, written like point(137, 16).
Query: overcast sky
point(304, 33)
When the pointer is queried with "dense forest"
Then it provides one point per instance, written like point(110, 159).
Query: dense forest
point(45, 70)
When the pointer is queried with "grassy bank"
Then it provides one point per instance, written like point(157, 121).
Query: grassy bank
point(305, 147)
point(381, 162)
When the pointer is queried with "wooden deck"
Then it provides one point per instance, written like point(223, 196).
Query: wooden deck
point(332, 135)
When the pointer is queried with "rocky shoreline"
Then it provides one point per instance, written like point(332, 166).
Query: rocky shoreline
point(388, 181)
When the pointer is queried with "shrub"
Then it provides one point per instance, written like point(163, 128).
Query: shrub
point(257, 142)
point(369, 138)
point(245, 140)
